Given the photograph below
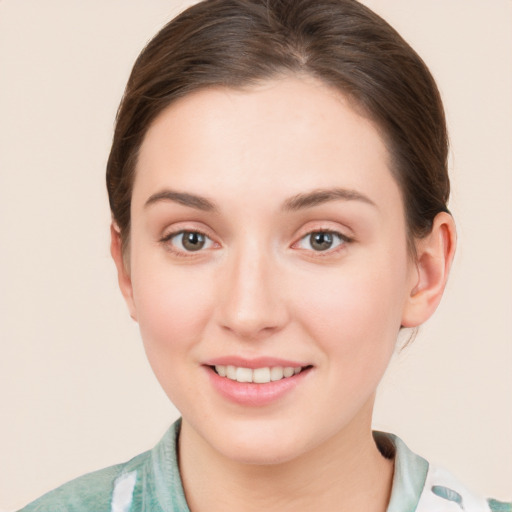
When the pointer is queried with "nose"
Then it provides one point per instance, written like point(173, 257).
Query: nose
point(252, 305)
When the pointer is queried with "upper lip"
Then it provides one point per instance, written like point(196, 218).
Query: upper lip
point(257, 362)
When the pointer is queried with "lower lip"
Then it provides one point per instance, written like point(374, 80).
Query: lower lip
point(252, 394)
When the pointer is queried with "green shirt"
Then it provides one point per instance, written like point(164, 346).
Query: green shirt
point(151, 482)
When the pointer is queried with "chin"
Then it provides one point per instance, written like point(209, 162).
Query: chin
point(260, 446)
point(260, 455)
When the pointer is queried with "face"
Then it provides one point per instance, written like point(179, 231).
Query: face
point(268, 243)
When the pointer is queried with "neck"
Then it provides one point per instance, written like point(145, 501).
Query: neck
point(346, 472)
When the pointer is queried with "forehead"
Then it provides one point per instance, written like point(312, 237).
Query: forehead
point(290, 134)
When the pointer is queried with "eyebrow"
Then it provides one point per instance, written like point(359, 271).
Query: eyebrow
point(294, 203)
point(190, 200)
point(321, 196)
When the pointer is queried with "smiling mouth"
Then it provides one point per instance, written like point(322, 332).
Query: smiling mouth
point(257, 375)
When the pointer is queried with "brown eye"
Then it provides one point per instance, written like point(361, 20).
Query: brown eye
point(187, 241)
point(192, 240)
point(321, 241)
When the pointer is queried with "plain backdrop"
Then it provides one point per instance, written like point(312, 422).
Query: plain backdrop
point(76, 392)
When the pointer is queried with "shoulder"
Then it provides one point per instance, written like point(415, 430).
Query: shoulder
point(149, 482)
point(423, 487)
point(92, 491)
point(443, 490)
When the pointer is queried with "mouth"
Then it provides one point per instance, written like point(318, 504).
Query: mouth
point(262, 375)
point(256, 382)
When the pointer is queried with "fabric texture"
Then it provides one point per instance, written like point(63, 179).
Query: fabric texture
point(151, 482)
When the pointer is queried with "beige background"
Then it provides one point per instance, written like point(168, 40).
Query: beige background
point(76, 392)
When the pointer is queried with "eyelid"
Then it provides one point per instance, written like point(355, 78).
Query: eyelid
point(165, 240)
point(344, 240)
point(181, 226)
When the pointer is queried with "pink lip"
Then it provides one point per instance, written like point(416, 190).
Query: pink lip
point(258, 362)
point(250, 394)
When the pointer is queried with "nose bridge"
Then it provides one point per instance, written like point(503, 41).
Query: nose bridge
point(251, 305)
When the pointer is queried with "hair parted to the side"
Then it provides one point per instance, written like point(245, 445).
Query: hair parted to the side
point(238, 43)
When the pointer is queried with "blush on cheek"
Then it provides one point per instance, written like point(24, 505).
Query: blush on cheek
point(355, 316)
point(171, 310)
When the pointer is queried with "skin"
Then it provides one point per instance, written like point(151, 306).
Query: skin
point(259, 288)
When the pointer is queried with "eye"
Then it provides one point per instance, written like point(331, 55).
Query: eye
point(321, 241)
point(188, 241)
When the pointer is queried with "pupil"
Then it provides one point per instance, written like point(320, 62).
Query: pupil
point(193, 241)
point(321, 241)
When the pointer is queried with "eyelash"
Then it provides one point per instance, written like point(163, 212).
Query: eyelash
point(343, 241)
point(166, 240)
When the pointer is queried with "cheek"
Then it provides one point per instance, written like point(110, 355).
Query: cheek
point(172, 309)
point(353, 315)
point(356, 332)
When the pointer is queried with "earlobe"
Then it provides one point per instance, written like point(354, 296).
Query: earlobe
point(434, 255)
point(123, 274)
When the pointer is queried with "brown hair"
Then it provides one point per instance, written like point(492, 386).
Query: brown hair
point(236, 43)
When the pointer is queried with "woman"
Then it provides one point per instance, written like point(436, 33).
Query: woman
point(278, 189)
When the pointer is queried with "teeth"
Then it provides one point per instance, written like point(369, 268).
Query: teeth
point(288, 371)
point(231, 372)
point(261, 375)
point(258, 375)
point(244, 374)
point(276, 373)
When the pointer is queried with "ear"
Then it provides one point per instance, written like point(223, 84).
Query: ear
point(123, 272)
point(434, 255)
